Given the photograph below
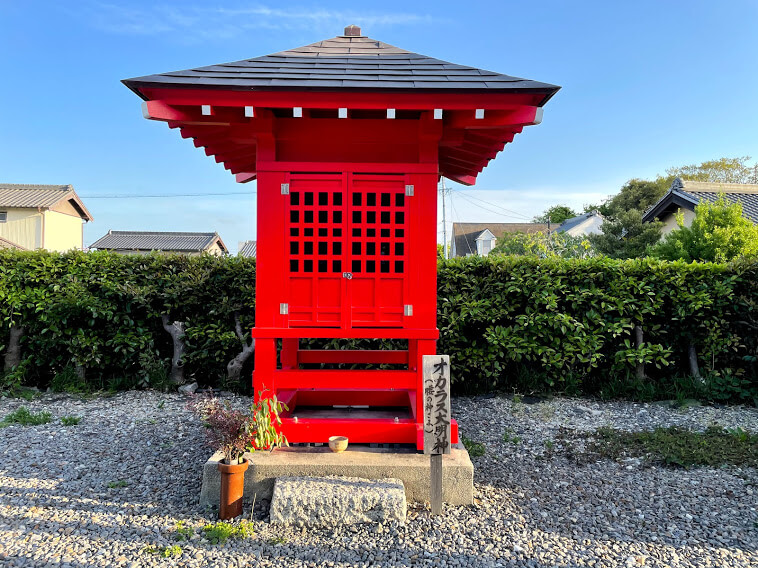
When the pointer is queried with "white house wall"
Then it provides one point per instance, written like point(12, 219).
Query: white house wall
point(670, 224)
point(23, 227)
point(62, 231)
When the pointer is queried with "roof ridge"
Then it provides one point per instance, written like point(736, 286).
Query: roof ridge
point(178, 233)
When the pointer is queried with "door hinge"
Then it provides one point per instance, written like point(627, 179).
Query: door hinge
point(409, 190)
point(284, 309)
point(285, 189)
point(408, 309)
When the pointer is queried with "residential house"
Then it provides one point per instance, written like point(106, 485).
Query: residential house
point(6, 244)
point(247, 248)
point(683, 195)
point(480, 238)
point(143, 242)
point(48, 217)
point(582, 225)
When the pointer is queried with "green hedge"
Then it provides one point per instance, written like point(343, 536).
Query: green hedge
point(568, 325)
point(509, 323)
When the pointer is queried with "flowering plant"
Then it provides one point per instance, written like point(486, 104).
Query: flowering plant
point(235, 432)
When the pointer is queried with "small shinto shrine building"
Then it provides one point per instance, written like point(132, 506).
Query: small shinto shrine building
point(347, 139)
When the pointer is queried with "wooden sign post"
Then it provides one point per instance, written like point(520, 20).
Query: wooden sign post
point(436, 421)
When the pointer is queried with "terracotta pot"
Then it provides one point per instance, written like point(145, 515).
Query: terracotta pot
point(232, 488)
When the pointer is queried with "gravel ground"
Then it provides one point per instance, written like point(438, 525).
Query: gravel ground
point(534, 507)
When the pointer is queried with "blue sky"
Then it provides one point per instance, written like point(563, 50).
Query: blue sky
point(646, 85)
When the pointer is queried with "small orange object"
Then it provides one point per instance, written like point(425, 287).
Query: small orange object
point(232, 489)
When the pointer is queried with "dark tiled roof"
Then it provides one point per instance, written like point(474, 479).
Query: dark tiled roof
point(684, 193)
point(157, 240)
point(44, 196)
point(342, 63)
point(465, 234)
point(248, 249)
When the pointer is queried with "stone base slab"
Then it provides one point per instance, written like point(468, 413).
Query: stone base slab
point(330, 501)
point(409, 466)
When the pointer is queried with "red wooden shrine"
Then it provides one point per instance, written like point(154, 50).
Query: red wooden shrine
point(347, 139)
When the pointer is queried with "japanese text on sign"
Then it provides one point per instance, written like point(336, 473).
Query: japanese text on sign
point(436, 404)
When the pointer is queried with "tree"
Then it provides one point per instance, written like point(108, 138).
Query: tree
point(555, 214)
point(637, 194)
point(723, 170)
point(626, 236)
point(543, 245)
point(719, 233)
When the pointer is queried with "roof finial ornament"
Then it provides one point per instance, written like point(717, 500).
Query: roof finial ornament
point(352, 31)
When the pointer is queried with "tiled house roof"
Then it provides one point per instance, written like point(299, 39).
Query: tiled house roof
point(687, 194)
point(465, 234)
point(24, 195)
point(157, 240)
point(248, 248)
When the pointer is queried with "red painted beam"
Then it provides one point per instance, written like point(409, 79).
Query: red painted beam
point(352, 356)
point(344, 379)
point(495, 118)
point(332, 100)
point(344, 333)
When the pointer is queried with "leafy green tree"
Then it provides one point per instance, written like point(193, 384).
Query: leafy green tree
point(543, 245)
point(637, 194)
point(556, 214)
point(719, 233)
point(626, 236)
point(723, 170)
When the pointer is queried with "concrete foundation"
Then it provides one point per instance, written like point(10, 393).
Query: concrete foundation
point(410, 467)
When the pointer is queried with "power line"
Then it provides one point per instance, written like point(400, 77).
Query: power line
point(517, 216)
point(134, 196)
point(511, 213)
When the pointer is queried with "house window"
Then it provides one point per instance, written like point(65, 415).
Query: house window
point(3, 216)
point(486, 247)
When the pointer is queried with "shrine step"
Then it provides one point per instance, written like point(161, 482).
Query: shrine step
point(364, 462)
point(331, 501)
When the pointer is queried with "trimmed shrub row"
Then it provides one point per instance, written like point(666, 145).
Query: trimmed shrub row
point(642, 328)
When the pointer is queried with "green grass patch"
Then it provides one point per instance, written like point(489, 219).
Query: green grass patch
point(164, 551)
point(71, 420)
point(117, 484)
point(183, 532)
point(510, 438)
point(679, 447)
point(221, 531)
point(24, 393)
point(23, 417)
point(475, 449)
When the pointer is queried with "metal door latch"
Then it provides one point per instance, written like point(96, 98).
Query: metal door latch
point(285, 189)
point(348, 275)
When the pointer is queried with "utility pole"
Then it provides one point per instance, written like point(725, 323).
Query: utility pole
point(443, 190)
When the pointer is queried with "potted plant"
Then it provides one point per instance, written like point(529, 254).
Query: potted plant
point(234, 432)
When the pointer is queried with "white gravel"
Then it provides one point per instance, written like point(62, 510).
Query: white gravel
point(533, 506)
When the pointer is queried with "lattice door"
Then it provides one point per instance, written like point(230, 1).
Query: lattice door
point(347, 244)
point(378, 211)
point(316, 232)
